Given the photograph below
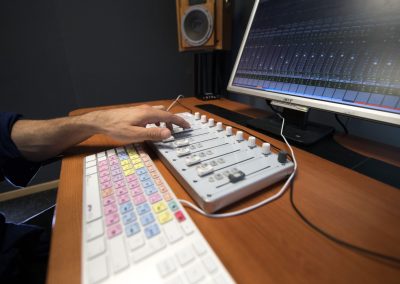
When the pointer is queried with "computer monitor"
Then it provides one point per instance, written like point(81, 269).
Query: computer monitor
point(341, 56)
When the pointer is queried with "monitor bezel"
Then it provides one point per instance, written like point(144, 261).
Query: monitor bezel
point(360, 112)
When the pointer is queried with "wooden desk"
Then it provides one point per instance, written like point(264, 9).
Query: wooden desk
point(270, 244)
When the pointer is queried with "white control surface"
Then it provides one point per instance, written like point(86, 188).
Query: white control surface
point(219, 167)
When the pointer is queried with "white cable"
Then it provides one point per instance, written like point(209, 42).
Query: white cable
point(259, 204)
point(174, 102)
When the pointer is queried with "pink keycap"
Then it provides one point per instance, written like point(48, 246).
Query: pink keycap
point(147, 164)
point(114, 167)
point(103, 168)
point(105, 185)
point(118, 177)
point(158, 181)
point(109, 209)
point(131, 178)
point(114, 162)
point(154, 175)
point(116, 172)
point(133, 184)
point(123, 198)
point(139, 199)
point(104, 173)
point(150, 169)
point(145, 158)
point(136, 190)
point(108, 200)
point(122, 190)
point(119, 183)
point(105, 179)
point(112, 219)
point(154, 198)
point(163, 188)
point(114, 230)
point(103, 163)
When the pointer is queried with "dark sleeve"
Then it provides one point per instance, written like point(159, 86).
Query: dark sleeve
point(8, 150)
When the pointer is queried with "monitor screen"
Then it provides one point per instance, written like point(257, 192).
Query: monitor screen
point(336, 55)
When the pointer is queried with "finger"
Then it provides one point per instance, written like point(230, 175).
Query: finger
point(160, 115)
point(154, 134)
point(169, 126)
point(160, 107)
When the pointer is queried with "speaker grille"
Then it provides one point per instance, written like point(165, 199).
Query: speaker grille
point(197, 25)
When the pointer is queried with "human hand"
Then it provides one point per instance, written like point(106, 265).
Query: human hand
point(128, 124)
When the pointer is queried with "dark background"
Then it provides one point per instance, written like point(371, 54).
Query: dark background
point(60, 55)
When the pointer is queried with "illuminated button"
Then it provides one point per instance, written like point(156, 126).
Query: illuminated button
point(252, 141)
point(239, 136)
point(228, 131)
point(181, 143)
point(182, 151)
point(220, 126)
point(193, 159)
point(204, 169)
point(266, 148)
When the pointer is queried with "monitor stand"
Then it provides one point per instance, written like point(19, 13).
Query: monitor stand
point(297, 127)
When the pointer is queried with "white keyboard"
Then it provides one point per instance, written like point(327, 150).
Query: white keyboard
point(135, 230)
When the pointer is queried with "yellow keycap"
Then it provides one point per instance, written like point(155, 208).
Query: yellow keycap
point(124, 162)
point(164, 217)
point(138, 166)
point(127, 167)
point(159, 206)
point(129, 172)
point(136, 161)
point(134, 156)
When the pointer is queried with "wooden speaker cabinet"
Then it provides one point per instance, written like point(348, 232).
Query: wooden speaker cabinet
point(204, 24)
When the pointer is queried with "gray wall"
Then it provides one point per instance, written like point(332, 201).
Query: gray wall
point(59, 55)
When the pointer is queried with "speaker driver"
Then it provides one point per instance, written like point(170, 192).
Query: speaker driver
point(197, 25)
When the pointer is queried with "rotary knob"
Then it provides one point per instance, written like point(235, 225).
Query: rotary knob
point(228, 131)
point(211, 122)
point(203, 118)
point(219, 126)
point(252, 141)
point(239, 136)
point(266, 148)
point(197, 115)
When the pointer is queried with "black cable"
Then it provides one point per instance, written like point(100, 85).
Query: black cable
point(335, 239)
point(341, 124)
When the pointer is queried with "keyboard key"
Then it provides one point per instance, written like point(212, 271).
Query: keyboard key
point(107, 192)
point(126, 207)
point(146, 219)
point(123, 198)
point(108, 200)
point(143, 208)
point(159, 206)
point(185, 256)
point(95, 247)
point(172, 231)
point(164, 217)
point(151, 231)
point(136, 191)
point(119, 257)
point(111, 208)
point(210, 264)
point(97, 269)
point(153, 245)
point(139, 199)
point(94, 229)
point(114, 230)
point(154, 198)
point(132, 229)
point(180, 216)
point(112, 219)
point(195, 273)
point(166, 267)
point(173, 205)
point(128, 217)
point(150, 190)
point(92, 198)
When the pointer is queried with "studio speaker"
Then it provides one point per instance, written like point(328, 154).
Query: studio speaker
point(204, 24)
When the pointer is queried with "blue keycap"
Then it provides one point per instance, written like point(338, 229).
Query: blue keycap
point(150, 190)
point(143, 208)
point(126, 207)
point(147, 183)
point(152, 231)
point(144, 177)
point(147, 219)
point(132, 229)
point(129, 217)
point(141, 171)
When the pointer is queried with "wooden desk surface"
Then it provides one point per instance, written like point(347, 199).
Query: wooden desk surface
point(270, 244)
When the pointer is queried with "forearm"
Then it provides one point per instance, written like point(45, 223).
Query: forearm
point(42, 139)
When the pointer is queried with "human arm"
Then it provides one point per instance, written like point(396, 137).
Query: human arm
point(39, 140)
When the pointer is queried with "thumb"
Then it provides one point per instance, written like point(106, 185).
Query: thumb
point(154, 134)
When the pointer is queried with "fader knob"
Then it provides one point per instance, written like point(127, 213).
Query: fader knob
point(252, 141)
point(228, 130)
point(219, 126)
point(282, 156)
point(239, 136)
point(266, 148)
point(203, 118)
point(211, 122)
point(197, 115)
